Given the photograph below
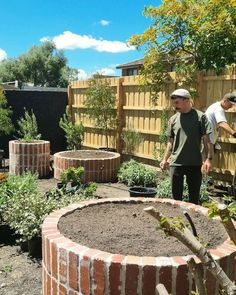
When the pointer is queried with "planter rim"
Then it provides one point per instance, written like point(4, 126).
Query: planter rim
point(29, 142)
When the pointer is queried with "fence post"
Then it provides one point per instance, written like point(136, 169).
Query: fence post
point(70, 100)
point(201, 101)
point(120, 115)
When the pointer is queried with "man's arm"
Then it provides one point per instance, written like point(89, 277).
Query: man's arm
point(164, 162)
point(225, 126)
point(208, 148)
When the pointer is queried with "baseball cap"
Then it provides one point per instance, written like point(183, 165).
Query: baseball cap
point(180, 92)
point(231, 97)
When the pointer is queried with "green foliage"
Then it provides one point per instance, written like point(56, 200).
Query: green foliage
point(213, 210)
point(134, 173)
point(191, 35)
point(7, 268)
point(74, 133)
point(132, 140)
point(73, 175)
point(24, 208)
point(28, 127)
point(101, 102)
point(6, 126)
point(42, 65)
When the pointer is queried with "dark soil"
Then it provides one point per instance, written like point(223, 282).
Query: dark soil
point(126, 229)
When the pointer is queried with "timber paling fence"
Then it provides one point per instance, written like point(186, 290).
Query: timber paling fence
point(136, 111)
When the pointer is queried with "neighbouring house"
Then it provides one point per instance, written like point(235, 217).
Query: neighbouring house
point(133, 68)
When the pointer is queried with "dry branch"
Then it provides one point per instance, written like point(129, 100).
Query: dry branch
point(187, 238)
point(161, 290)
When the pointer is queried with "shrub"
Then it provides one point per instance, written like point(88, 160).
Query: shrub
point(28, 127)
point(132, 140)
point(74, 133)
point(135, 173)
point(24, 208)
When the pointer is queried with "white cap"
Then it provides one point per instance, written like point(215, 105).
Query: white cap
point(181, 92)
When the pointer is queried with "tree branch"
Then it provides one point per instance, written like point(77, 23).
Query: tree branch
point(187, 238)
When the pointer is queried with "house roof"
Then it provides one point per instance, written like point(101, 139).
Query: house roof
point(138, 62)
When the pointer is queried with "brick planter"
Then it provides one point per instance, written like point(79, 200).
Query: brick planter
point(74, 269)
point(32, 156)
point(100, 166)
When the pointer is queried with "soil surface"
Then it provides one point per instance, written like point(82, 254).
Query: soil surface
point(126, 229)
point(22, 275)
point(87, 154)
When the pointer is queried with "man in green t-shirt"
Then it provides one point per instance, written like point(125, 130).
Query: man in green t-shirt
point(185, 131)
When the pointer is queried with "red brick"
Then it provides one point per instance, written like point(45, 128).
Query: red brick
point(210, 283)
point(63, 265)
point(73, 271)
point(84, 276)
point(54, 287)
point(131, 275)
point(99, 273)
point(182, 281)
point(48, 285)
point(149, 275)
point(114, 274)
point(54, 260)
point(62, 290)
point(165, 277)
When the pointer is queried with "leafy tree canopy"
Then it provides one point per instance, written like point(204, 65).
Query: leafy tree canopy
point(101, 102)
point(42, 65)
point(6, 126)
point(202, 31)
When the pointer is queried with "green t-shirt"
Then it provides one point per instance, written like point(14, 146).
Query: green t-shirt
point(187, 130)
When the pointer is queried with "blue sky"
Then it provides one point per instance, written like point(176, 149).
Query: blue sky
point(93, 34)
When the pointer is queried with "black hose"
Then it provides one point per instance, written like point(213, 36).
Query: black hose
point(191, 223)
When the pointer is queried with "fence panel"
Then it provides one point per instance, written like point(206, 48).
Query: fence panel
point(136, 111)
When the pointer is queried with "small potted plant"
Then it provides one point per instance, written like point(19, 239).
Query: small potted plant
point(29, 152)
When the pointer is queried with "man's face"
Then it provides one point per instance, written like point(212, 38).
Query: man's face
point(180, 104)
point(227, 104)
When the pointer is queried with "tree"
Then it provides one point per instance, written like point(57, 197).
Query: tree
point(100, 102)
point(193, 35)
point(42, 65)
point(6, 126)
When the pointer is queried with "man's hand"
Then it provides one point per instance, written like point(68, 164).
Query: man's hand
point(164, 165)
point(206, 166)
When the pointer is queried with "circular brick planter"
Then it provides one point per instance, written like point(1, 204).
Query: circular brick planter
point(71, 268)
point(32, 156)
point(100, 166)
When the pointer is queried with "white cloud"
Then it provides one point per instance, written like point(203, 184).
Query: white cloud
point(69, 40)
point(82, 75)
point(104, 22)
point(3, 54)
point(106, 71)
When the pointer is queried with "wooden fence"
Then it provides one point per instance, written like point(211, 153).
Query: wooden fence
point(135, 110)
